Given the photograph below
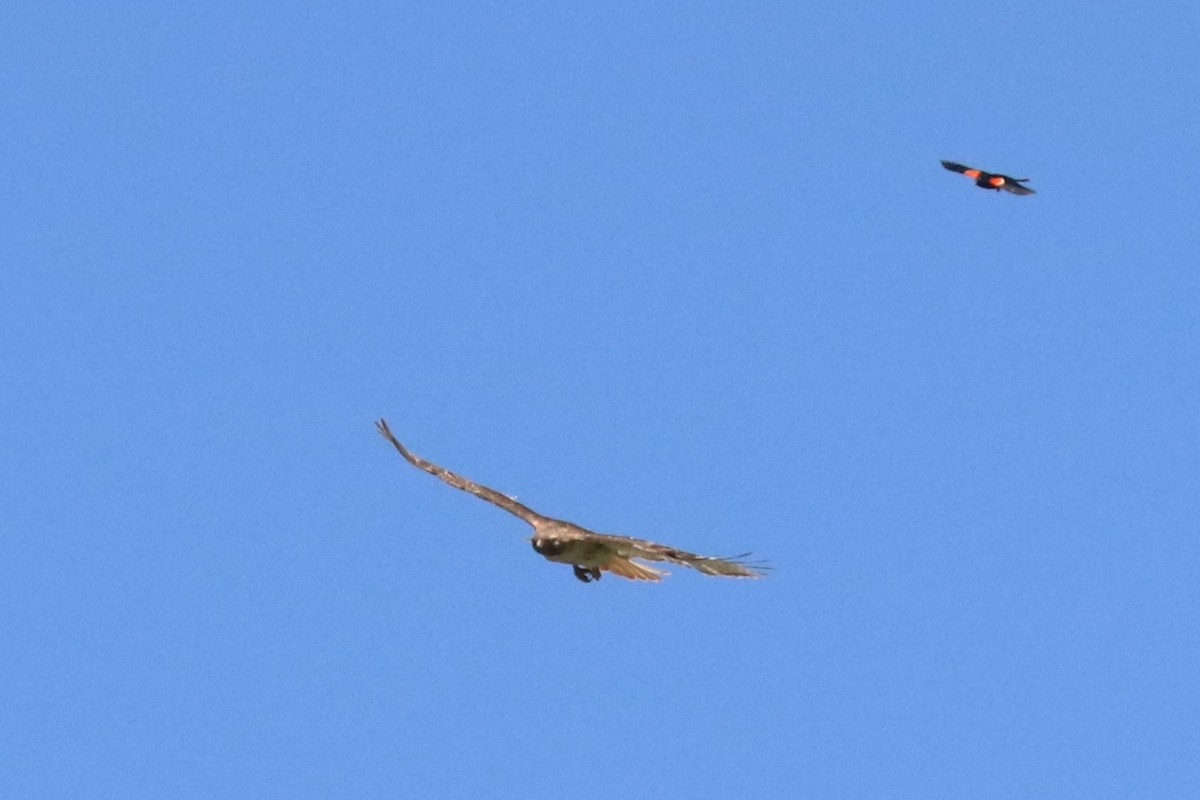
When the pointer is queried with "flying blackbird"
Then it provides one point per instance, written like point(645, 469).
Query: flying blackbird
point(990, 180)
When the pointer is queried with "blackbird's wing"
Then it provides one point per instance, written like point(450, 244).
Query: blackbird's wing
point(1014, 186)
point(954, 167)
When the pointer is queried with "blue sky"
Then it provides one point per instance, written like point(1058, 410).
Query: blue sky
point(689, 272)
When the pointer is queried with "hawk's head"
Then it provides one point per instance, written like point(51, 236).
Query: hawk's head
point(548, 547)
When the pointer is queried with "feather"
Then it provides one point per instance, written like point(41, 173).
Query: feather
point(632, 570)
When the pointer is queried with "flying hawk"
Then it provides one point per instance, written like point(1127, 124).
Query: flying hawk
point(990, 180)
point(589, 553)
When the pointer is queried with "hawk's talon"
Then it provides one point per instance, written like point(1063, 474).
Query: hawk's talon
point(586, 575)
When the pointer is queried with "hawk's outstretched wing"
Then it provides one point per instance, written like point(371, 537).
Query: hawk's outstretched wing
point(627, 547)
point(459, 482)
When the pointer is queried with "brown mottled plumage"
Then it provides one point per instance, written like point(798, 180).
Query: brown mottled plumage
point(589, 553)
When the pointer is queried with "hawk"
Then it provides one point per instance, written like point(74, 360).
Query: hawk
point(990, 180)
point(590, 554)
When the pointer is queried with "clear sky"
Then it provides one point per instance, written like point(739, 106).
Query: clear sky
point(687, 271)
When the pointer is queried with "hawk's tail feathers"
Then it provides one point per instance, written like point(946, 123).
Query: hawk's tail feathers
point(632, 570)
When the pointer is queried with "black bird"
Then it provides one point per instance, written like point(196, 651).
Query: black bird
point(990, 180)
